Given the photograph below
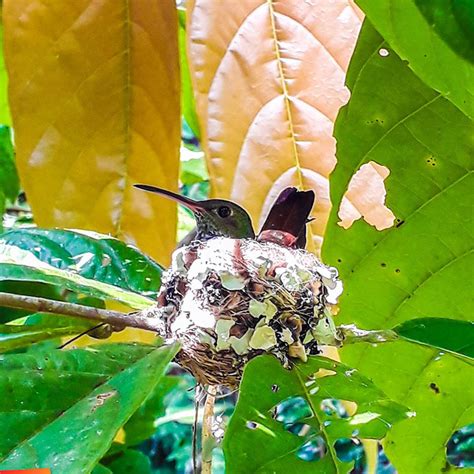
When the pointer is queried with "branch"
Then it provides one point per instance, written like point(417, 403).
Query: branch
point(208, 442)
point(145, 319)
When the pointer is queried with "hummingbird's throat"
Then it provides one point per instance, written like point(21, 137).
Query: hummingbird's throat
point(206, 229)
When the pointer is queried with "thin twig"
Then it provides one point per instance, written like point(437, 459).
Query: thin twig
point(142, 319)
point(197, 399)
point(83, 333)
point(207, 436)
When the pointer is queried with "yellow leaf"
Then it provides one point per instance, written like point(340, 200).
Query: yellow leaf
point(269, 81)
point(94, 96)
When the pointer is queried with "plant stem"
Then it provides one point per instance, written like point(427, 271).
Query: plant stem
point(207, 436)
point(144, 319)
point(353, 334)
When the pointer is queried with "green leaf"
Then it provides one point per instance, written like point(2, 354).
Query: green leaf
point(193, 167)
point(422, 266)
point(187, 95)
point(446, 334)
point(63, 410)
point(5, 118)
point(100, 469)
point(25, 288)
point(68, 259)
point(413, 38)
point(9, 184)
point(453, 21)
point(91, 255)
point(15, 337)
point(141, 425)
point(131, 461)
point(266, 386)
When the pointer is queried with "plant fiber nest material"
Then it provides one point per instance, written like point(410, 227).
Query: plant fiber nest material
point(229, 300)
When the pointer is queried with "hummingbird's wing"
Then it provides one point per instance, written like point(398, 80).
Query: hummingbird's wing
point(290, 213)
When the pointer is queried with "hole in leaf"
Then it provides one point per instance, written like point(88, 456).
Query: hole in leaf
point(300, 429)
point(349, 449)
point(321, 373)
point(251, 425)
point(312, 450)
point(460, 447)
point(365, 198)
point(291, 410)
point(335, 408)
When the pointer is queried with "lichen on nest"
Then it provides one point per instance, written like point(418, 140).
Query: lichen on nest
point(229, 300)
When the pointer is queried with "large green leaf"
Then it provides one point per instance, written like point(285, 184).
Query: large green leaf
point(91, 264)
point(453, 20)
point(446, 334)
point(64, 408)
point(414, 39)
point(256, 441)
point(421, 266)
point(91, 255)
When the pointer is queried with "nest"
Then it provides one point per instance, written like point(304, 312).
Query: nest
point(229, 300)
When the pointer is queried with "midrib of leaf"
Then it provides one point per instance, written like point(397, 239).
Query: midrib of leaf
point(127, 118)
point(330, 447)
point(286, 98)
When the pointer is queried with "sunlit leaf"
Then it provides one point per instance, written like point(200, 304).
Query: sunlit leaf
point(94, 96)
point(91, 255)
point(64, 408)
point(5, 118)
point(269, 81)
point(413, 37)
point(188, 107)
point(446, 334)
point(422, 266)
point(453, 21)
point(22, 266)
point(257, 438)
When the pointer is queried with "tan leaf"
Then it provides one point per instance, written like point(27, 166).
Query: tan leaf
point(94, 96)
point(269, 81)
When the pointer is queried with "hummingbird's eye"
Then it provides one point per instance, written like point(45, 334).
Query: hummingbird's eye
point(224, 211)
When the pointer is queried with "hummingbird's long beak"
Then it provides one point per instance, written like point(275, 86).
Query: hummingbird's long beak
point(185, 201)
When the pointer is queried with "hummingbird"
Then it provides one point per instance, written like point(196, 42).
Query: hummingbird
point(214, 217)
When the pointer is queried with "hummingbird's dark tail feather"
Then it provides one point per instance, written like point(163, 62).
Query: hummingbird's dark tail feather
point(290, 214)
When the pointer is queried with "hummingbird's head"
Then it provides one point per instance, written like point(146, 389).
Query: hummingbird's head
point(214, 217)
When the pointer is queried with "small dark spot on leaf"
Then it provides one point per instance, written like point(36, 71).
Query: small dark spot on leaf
point(252, 425)
point(397, 270)
point(383, 264)
point(275, 388)
point(434, 387)
point(339, 260)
